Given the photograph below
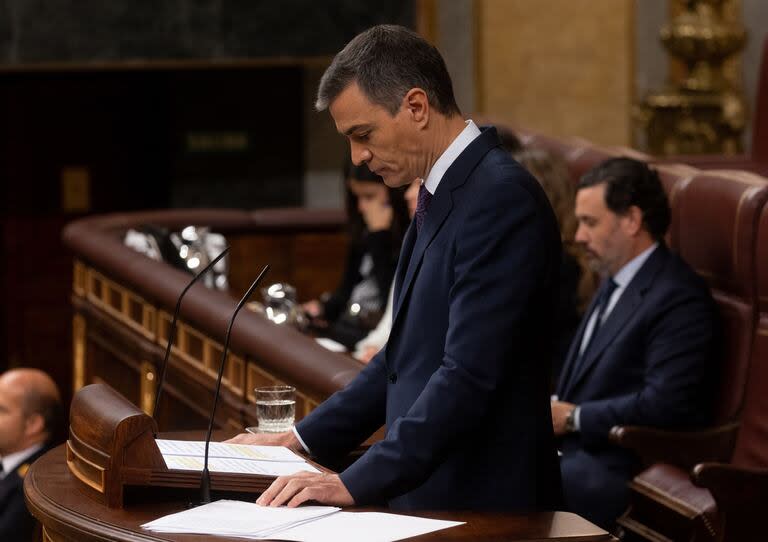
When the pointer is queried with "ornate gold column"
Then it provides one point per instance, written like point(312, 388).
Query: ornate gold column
point(703, 109)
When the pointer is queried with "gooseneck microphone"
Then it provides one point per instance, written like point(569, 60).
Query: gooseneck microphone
point(205, 480)
point(172, 330)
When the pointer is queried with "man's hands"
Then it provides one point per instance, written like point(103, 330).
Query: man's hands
point(368, 352)
point(298, 488)
point(560, 411)
point(287, 439)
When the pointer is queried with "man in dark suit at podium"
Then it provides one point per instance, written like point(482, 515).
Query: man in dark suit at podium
point(461, 384)
point(30, 411)
point(643, 354)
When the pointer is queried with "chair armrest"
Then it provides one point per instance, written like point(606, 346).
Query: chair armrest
point(732, 486)
point(682, 449)
point(740, 494)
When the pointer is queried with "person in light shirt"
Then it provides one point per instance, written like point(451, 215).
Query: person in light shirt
point(30, 413)
point(369, 346)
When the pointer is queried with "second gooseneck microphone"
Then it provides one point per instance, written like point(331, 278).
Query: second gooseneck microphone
point(172, 329)
point(205, 480)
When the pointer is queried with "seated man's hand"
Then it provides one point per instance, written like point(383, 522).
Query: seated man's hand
point(313, 308)
point(298, 488)
point(560, 411)
point(367, 354)
point(287, 439)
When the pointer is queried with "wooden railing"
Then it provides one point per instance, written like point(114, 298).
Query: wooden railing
point(123, 302)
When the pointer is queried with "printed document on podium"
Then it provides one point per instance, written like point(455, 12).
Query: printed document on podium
point(232, 458)
point(302, 524)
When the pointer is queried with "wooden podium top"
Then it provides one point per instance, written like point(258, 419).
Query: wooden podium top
point(67, 514)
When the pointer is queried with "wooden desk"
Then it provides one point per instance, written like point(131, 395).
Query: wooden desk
point(68, 515)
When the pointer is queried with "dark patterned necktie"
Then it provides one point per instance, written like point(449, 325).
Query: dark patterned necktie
point(602, 305)
point(421, 206)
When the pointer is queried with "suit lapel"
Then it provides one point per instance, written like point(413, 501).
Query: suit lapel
point(622, 312)
point(439, 208)
point(405, 257)
point(8, 486)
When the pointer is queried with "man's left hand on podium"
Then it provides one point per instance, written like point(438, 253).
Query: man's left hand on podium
point(287, 439)
point(323, 488)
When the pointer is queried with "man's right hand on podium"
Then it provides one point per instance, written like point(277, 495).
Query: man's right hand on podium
point(287, 439)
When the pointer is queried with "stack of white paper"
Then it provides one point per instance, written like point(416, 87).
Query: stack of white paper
point(303, 524)
point(236, 518)
point(233, 458)
point(368, 526)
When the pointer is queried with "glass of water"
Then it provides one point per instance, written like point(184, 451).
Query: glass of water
point(275, 408)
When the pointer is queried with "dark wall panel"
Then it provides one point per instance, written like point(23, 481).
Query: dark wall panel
point(63, 30)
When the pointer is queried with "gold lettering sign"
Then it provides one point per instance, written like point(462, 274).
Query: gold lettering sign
point(217, 141)
point(75, 189)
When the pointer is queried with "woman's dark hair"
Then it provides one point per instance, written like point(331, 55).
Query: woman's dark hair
point(630, 182)
point(356, 224)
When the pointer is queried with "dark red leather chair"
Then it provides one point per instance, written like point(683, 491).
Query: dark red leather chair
point(714, 229)
point(740, 488)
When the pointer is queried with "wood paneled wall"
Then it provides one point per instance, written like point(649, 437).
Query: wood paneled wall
point(564, 68)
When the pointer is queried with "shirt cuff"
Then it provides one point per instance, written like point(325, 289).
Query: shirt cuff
point(301, 440)
point(576, 420)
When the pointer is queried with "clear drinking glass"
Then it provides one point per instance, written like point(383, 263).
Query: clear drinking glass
point(275, 408)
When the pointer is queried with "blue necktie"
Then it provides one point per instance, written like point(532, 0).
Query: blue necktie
point(602, 304)
point(421, 206)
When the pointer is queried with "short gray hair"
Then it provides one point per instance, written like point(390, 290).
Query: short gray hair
point(387, 61)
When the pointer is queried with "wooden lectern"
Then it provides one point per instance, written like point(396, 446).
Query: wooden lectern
point(112, 445)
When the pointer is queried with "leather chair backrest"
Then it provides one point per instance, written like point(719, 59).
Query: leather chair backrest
point(586, 156)
point(673, 177)
point(759, 150)
point(715, 222)
point(752, 443)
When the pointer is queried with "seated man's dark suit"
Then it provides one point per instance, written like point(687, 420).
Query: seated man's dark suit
point(462, 382)
point(650, 364)
point(16, 523)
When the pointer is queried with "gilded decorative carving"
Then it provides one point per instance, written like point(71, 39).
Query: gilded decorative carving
point(703, 109)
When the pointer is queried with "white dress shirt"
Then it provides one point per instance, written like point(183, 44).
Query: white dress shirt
point(12, 461)
point(449, 156)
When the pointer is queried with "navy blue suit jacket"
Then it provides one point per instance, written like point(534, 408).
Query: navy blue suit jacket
point(16, 523)
point(651, 364)
point(462, 382)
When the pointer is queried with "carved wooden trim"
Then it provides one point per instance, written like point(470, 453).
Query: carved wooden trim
point(121, 303)
point(194, 349)
point(78, 351)
point(86, 471)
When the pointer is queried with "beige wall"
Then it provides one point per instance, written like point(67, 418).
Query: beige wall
point(562, 67)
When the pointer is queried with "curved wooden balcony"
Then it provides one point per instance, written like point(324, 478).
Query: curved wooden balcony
point(123, 303)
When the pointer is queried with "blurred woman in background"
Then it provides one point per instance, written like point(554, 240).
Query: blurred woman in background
point(378, 219)
point(376, 339)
